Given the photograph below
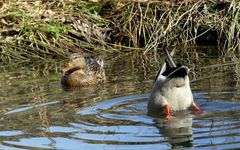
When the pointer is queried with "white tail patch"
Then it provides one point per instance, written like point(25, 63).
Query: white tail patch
point(100, 62)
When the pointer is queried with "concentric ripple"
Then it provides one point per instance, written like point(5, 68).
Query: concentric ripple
point(122, 121)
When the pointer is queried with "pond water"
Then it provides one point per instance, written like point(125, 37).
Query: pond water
point(36, 113)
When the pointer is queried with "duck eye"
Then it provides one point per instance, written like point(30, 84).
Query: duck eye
point(75, 57)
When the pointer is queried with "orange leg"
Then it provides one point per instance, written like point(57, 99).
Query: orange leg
point(195, 107)
point(167, 110)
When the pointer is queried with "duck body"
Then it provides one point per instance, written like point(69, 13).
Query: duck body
point(83, 71)
point(171, 90)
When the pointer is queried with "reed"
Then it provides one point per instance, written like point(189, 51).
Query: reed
point(44, 30)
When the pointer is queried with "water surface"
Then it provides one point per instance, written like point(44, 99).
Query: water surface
point(36, 113)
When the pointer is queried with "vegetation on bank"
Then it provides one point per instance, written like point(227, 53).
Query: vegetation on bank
point(43, 30)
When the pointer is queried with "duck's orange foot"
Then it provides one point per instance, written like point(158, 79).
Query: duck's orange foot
point(196, 108)
point(168, 117)
point(167, 110)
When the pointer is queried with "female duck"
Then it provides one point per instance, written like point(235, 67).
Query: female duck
point(171, 90)
point(83, 71)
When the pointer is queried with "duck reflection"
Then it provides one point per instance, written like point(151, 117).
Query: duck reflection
point(177, 130)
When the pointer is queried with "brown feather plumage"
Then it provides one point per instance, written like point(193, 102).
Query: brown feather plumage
point(83, 71)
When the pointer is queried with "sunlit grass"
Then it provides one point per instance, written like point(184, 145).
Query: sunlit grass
point(38, 30)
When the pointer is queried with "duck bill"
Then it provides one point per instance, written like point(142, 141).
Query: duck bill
point(64, 70)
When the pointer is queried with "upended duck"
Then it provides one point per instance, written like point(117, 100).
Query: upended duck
point(83, 71)
point(171, 90)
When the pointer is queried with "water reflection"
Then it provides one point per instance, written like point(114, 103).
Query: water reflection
point(178, 130)
point(36, 113)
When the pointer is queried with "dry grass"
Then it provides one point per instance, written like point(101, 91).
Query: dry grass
point(43, 30)
point(158, 24)
point(33, 30)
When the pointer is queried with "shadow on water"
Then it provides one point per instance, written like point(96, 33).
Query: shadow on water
point(36, 113)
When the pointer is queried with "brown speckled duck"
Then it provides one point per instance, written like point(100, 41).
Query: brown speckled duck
point(83, 71)
point(171, 90)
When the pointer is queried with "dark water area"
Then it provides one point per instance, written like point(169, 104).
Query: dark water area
point(36, 113)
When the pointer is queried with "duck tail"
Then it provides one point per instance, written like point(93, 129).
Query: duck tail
point(169, 60)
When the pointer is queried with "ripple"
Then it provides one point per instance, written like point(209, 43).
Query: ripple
point(10, 133)
point(42, 143)
point(123, 120)
point(30, 107)
point(123, 123)
point(105, 105)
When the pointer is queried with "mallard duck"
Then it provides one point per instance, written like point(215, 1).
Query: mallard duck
point(83, 71)
point(171, 90)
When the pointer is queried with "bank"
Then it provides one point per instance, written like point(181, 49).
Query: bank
point(44, 30)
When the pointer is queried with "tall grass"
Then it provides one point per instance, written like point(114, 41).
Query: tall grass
point(158, 24)
point(43, 30)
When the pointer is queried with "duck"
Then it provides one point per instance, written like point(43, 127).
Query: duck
point(171, 91)
point(82, 71)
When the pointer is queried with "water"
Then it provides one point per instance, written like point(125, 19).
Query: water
point(36, 113)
